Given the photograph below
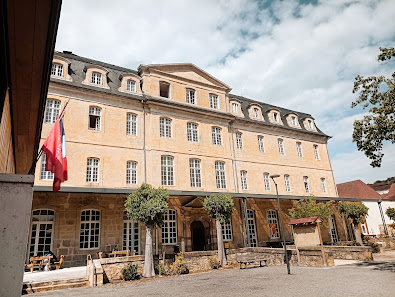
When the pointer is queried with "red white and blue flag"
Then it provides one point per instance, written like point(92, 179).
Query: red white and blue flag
point(55, 151)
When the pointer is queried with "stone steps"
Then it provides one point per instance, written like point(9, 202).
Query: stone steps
point(30, 288)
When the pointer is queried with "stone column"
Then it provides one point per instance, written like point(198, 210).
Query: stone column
point(16, 195)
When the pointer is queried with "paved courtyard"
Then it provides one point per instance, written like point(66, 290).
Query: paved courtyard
point(356, 279)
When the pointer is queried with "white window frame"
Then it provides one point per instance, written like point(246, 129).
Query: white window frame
point(316, 153)
point(97, 78)
point(216, 135)
point(332, 228)
point(44, 174)
point(261, 144)
point(131, 85)
point(131, 172)
point(243, 179)
point(39, 219)
point(287, 182)
point(95, 112)
point(192, 132)
point(131, 124)
point(239, 140)
point(310, 124)
point(281, 146)
point(214, 101)
point(167, 170)
point(256, 112)
point(235, 107)
point(294, 121)
point(323, 185)
point(92, 219)
point(227, 234)
point(306, 184)
point(57, 70)
point(272, 219)
point(92, 170)
point(195, 173)
point(252, 239)
point(266, 181)
point(165, 128)
point(131, 235)
point(52, 111)
point(299, 149)
point(220, 175)
point(190, 96)
point(169, 228)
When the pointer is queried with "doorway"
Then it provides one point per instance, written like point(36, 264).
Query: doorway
point(198, 237)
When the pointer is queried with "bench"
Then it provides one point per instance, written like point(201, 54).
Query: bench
point(59, 263)
point(251, 259)
point(39, 262)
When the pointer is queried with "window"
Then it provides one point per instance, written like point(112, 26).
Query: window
point(41, 232)
point(214, 102)
point(261, 144)
point(243, 176)
point(216, 135)
point(194, 171)
point(94, 118)
point(287, 183)
point(299, 149)
point(332, 227)
point(167, 170)
point(306, 184)
point(165, 127)
point(131, 172)
point(280, 146)
point(131, 238)
point(273, 225)
point(131, 85)
point(57, 69)
point(293, 121)
point(192, 132)
point(92, 170)
point(323, 185)
point(256, 112)
point(239, 140)
point(164, 89)
point(316, 155)
point(220, 175)
point(252, 240)
point(190, 96)
point(266, 181)
point(169, 227)
point(45, 175)
point(131, 124)
point(52, 111)
point(96, 78)
point(275, 117)
point(90, 229)
point(235, 108)
point(227, 231)
point(310, 124)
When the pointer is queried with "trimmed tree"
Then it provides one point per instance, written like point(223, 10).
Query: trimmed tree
point(356, 212)
point(148, 206)
point(310, 208)
point(390, 212)
point(220, 207)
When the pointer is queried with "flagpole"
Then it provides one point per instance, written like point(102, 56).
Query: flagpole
point(41, 151)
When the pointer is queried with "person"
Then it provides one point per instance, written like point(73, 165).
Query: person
point(47, 262)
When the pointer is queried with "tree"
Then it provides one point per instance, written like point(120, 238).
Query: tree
point(390, 212)
point(148, 206)
point(310, 208)
point(220, 207)
point(379, 126)
point(356, 212)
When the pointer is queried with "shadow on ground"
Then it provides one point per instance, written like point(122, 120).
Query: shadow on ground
point(378, 265)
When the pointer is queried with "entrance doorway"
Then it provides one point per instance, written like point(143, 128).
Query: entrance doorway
point(198, 237)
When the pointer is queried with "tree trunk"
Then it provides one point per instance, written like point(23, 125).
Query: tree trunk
point(358, 237)
point(220, 243)
point(149, 270)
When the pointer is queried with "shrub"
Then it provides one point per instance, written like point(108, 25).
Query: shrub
point(353, 243)
point(214, 263)
point(162, 269)
point(129, 272)
point(179, 266)
point(375, 247)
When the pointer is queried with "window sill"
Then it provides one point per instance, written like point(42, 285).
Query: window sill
point(62, 78)
point(96, 85)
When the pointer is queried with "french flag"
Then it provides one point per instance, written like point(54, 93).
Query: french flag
point(55, 150)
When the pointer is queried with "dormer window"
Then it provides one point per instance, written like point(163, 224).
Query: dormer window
point(57, 69)
point(275, 117)
point(96, 78)
point(256, 112)
point(293, 121)
point(164, 89)
point(190, 96)
point(310, 124)
point(235, 108)
point(131, 85)
point(60, 68)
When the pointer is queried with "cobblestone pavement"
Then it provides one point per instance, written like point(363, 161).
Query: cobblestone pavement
point(358, 279)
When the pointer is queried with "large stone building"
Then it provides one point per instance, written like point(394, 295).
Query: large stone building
point(176, 126)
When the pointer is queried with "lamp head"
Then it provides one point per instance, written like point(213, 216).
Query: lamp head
point(273, 176)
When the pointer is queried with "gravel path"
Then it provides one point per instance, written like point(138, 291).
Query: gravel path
point(358, 279)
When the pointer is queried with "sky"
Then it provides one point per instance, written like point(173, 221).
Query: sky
point(301, 55)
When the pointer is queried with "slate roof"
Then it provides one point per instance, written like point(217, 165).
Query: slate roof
point(303, 221)
point(76, 71)
point(357, 189)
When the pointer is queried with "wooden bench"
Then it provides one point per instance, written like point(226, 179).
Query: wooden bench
point(38, 262)
point(248, 260)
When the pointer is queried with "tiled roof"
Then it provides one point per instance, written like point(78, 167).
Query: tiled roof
point(391, 193)
point(380, 186)
point(303, 221)
point(357, 189)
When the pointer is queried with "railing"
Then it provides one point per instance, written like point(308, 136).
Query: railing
point(92, 276)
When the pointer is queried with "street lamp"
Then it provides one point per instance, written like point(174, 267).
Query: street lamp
point(273, 176)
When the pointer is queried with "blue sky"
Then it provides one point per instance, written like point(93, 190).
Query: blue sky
point(302, 55)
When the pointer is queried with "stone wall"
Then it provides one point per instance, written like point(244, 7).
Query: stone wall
point(363, 253)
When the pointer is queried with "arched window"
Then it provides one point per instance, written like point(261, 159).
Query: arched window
point(52, 111)
point(287, 182)
point(169, 227)
point(266, 181)
point(131, 235)
point(41, 234)
point(90, 229)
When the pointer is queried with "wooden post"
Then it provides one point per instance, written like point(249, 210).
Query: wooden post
point(322, 245)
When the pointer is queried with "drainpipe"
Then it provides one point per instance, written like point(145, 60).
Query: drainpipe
point(383, 218)
point(143, 102)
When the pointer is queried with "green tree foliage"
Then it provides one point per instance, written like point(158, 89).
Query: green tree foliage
point(390, 212)
point(389, 181)
point(310, 208)
point(355, 211)
point(379, 125)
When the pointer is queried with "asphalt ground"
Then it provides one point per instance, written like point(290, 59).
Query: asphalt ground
point(357, 279)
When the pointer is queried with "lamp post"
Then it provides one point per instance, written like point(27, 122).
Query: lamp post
point(282, 224)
